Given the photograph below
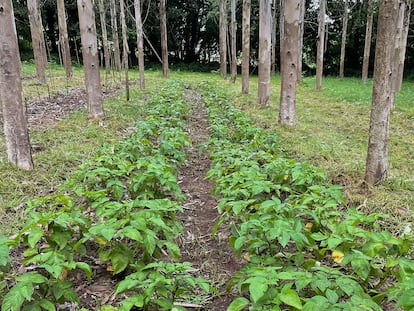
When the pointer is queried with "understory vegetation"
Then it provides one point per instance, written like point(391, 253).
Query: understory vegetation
point(312, 235)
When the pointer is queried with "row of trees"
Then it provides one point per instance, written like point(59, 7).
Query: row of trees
point(292, 16)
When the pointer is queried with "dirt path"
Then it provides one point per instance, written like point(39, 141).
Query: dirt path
point(211, 255)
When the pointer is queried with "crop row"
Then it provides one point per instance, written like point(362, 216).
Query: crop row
point(119, 209)
point(304, 250)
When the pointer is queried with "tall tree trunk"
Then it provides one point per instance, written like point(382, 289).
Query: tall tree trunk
point(281, 23)
point(223, 38)
point(63, 38)
point(274, 43)
point(11, 93)
point(246, 46)
point(368, 36)
point(38, 39)
point(289, 61)
point(125, 47)
point(90, 58)
point(377, 157)
point(115, 37)
point(321, 44)
point(164, 40)
point(265, 37)
point(301, 33)
point(233, 32)
point(402, 51)
point(140, 43)
point(102, 15)
point(343, 42)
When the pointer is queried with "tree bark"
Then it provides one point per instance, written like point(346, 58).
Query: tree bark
point(164, 40)
point(368, 36)
point(377, 157)
point(223, 38)
point(11, 93)
point(321, 44)
point(102, 15)
point(115, 37)
point(401, 60)
point(38, 39)
point(343, 42)
point(90, 58)
point(301, 33)
point(289, 61)
point(281, 23)
point(125, 47)
point(233, 31)
point(63, 38)
point(246, 46)
point(274, 43)
point(265, 37)
point(140, 43)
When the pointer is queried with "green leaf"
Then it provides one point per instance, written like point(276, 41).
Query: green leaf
point(4, 251)
point(361, 267)
point(31, 277)
point(85, 268)
point(332, 296)
point(47, 305)
point(134, 301)
point(290, 297)
point(258, 288)
point(126, 285)
point(13, 300)
point(238, 304)
point(34, 236)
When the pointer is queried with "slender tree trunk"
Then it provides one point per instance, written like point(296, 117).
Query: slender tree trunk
point(321, 44)
point(401, 59)
point(223, 38)
point(140, 43)
point(265, 37)
point(343, 42)
point(38, 39)
point(233, 31)
point(246, 46)
point(115, 37)
point(11, 93)
point(164, 40)
point(377, 157)
point(368, 36)
point(289, 61)
point(125, 47)
point(301, 30)
point(281, 23)
point(102, 15)
point(63, 38)
point(274, 43)
point(90, 58)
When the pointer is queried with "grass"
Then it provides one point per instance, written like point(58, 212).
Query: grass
point(331, 133)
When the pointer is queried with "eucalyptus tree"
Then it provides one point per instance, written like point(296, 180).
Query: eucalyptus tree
point(265, 24)
point(90, 58)
point(246, 46)
point(125, 48)
point(102, 17)
point(320, 44)
point(233, 35)
point(63, 37)
point(115, 36)
point(368, 36)
point(11, 93)
point(223, 37)
point(38, 39)
point(164, 40)
point(140, 43)
point(289, 61)
point(377, 156)
point(343, 41)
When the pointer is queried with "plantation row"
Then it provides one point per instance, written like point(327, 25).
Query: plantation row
point(121, 208)
point(302, 252)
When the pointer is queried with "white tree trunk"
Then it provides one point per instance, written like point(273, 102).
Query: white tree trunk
point(115, 37)
point(301, 30)
point(289, 62)
point(63, 38)
point(11, 93)
point(321, 44)
point(233, 31)
point(343, 41)
point(403, 45)
point(223, 37)
point(140, 43)
point(38, 39)
point(368, 36)
point(377, 157)
point(246, 46)
point(164, 40)
point(125, 47)
point(102, 15)
point(274, 38)
point(90, 58)
point(265, 38)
